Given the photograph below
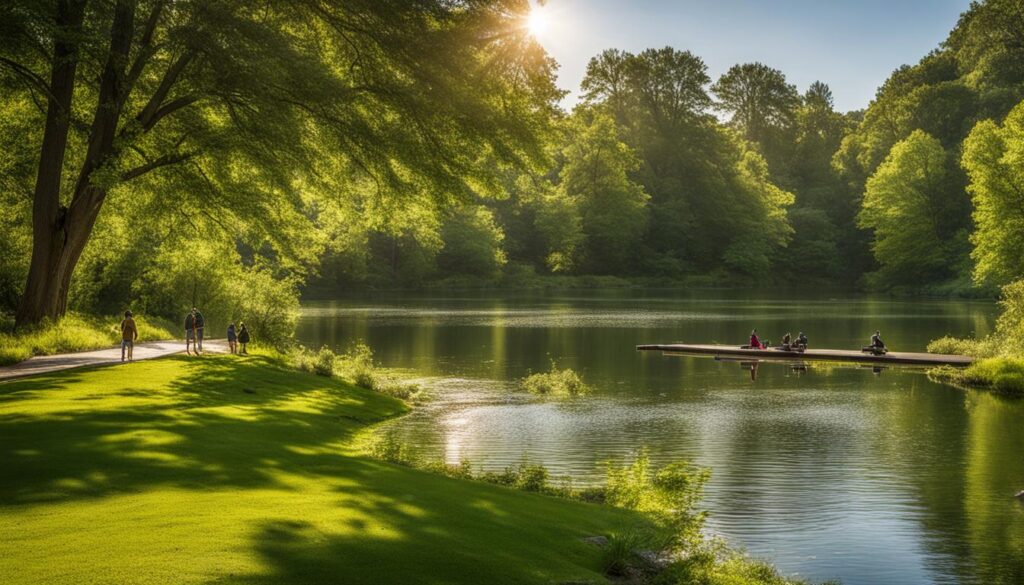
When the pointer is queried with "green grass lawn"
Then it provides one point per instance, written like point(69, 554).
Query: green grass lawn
point(227, 470)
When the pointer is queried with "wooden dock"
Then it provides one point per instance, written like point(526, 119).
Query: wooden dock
point(895, 358)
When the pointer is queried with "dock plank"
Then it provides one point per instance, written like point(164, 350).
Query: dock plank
point(843, 355)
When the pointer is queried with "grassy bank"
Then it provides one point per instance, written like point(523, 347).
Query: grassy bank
point(239, 471)
point(74, 333)
point(1004, 375)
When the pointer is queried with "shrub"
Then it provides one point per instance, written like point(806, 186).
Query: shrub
point(619, 557)
point(555, 383)
point(462, 470)
point(358, 367)
point(670, 495)
point(1002, 374)
point(389, 448)
point(716, 565)
point(355, 366)
point(957, 346)
point(531, 478)
point(324, 364)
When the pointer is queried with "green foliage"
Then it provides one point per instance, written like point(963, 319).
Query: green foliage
point(814, 250)
point(978, 348)
point(75, 333)
point(903, 204)
point(565, 382)
point(1002, 366)
point(558, 225)
point(324, 363)
point(718, 566)
point(358, 367)
point(1000, 374)
point(619, 556)
point(763, 107)
point(975, 75)
point(669, 495)
point(472, 243)
point(210, 276)
point(612, 208)
point(256, 118)
point(993, 157)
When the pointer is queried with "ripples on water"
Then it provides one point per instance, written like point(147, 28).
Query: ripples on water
point(832, 473)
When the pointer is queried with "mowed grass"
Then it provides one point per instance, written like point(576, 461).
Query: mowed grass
point(228, 470)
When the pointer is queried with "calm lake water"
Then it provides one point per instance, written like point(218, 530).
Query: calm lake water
point(830, 473)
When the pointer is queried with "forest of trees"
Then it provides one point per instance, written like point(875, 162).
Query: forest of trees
point(662, 174)
point(165, 153)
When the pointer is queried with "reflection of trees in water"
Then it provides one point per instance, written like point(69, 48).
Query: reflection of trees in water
point(994, 472)
point(963, 471)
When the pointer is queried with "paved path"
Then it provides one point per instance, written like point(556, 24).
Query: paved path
point(101, 357)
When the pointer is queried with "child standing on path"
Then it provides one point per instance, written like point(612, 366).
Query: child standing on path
point(129, 333)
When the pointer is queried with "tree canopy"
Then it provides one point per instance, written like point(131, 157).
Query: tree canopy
point(247, 112)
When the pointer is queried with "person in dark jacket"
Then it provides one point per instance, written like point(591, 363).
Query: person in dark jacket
point(243, 336)
point(190, 331)
point(801, 341)
point(232, 338)
point(200, 323)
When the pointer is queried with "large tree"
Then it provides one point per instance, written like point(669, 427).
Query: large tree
point(759, 100)
point(612, 208)
point(250, 108)
point(994, 160)
point(904, 204)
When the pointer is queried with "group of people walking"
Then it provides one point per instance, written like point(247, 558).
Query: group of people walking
point(194, 325)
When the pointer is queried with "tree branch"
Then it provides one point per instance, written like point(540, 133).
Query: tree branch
point(146, 49)
point(170, 108)
point(163, 161)
point(146, 116)
point(33, 78)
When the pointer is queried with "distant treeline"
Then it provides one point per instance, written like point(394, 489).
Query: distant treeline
point(647, 181)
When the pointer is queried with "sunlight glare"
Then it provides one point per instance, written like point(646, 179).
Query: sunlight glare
point(537, 22)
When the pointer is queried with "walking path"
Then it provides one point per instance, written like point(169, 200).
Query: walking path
point(101, 357)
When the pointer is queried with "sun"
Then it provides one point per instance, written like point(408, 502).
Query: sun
point(537, 22)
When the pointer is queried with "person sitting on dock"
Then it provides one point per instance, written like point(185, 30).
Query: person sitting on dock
point(877, 345)
point(786, 341)
point(801, 342)
point(755, 343)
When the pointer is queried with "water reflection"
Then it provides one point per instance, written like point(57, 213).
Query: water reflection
point(829, 471)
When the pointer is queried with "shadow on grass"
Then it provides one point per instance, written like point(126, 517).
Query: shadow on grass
point(256, 455)
point(196, 423)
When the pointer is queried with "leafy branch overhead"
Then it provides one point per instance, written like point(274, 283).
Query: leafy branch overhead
point(233, 104)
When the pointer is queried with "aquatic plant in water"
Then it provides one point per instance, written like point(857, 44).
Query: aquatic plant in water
point(555, 383)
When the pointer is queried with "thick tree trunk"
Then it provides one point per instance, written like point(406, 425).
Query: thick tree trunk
point(60, 234)
point(43, 295)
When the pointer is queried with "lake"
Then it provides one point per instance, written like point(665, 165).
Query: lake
point(836, 472)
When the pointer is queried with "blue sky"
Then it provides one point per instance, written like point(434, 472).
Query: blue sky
point(852, 46)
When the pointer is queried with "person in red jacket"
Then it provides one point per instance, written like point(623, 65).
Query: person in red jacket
point(755, 343)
